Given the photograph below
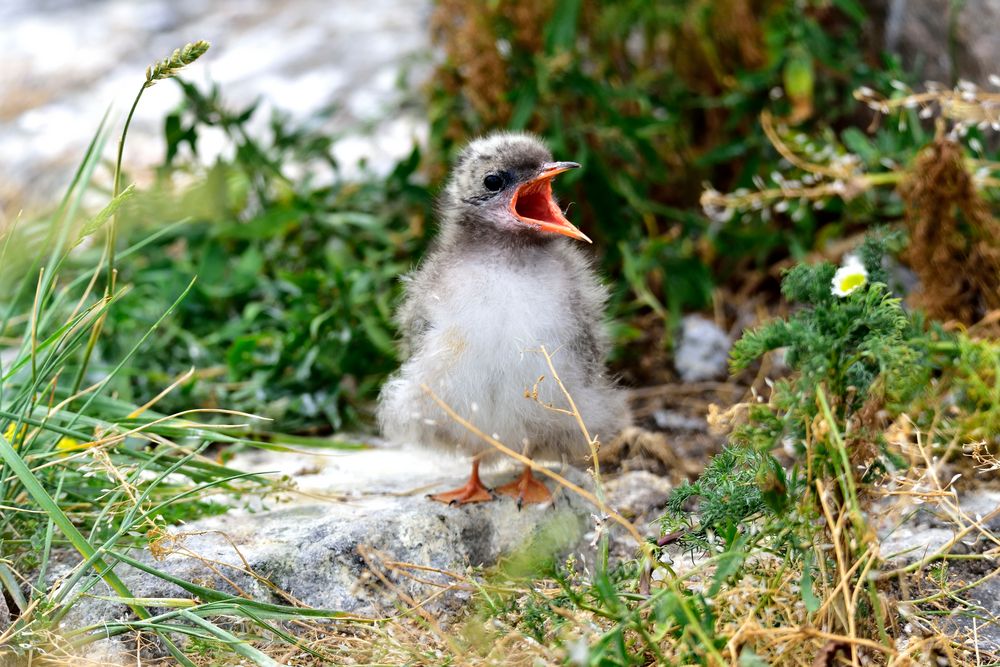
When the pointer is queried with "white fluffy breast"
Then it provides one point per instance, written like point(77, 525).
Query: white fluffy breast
point(481, 354)
point(493, 313)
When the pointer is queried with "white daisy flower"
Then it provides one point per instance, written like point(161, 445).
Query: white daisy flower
point(849, 277)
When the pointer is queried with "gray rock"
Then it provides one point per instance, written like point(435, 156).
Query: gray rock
point(4, 613)
point(703, 350)
point(346, 554)
point(927, 528)
point(942, 39)
point(639, 496)
point(671, 420)
point(911, 542)
point(979, 504)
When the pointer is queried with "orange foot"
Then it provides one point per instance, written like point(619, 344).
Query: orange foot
point(472, 492)
point(526, 489)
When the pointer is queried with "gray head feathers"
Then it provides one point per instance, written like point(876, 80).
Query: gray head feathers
point(475, 204)
point(516, 152)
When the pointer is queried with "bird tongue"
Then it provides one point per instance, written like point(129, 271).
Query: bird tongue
point(533, 204)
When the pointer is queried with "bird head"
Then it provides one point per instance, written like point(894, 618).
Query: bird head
point(502, 184)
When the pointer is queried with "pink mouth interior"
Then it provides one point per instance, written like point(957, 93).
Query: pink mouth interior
point(533, 203)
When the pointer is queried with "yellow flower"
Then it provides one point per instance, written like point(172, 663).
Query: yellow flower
point(849, 277)
point(67, 444)
point(13, 433)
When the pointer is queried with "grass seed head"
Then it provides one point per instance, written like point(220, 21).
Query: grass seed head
point(178, 60)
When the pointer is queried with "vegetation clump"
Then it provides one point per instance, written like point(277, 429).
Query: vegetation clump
point(87, 474)
point(774, 552)
point(954, 239)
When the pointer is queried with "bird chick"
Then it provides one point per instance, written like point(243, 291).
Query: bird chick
point(505, 277)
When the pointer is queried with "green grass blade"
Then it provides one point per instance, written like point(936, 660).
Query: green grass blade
point(235, 643)
point(205, 593)
point(55, 513)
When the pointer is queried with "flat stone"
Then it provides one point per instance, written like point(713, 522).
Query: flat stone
point(638, 495)
point(980, 504)
point(352, 552)
point(671, 420)
point(928, 527)
point(911, 542)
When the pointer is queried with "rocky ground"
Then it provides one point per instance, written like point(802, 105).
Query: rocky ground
point(355, 532)
point(358, 535)
point(66, 61)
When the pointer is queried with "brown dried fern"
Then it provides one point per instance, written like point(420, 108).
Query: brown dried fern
point(954, 238)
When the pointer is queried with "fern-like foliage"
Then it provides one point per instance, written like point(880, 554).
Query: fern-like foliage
point(854, 346)
point(863, 351)
point(727, 494)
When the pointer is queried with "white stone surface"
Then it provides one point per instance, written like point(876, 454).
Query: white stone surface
point(942, 39)
point(65, 62)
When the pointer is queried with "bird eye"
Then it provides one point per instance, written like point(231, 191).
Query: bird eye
point(493, 182)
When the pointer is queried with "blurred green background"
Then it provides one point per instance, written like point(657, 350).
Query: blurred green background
point(298, 260)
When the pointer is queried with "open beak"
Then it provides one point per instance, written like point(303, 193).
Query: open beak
point(533, 205)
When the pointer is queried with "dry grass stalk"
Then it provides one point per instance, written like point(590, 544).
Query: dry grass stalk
point(596, 500)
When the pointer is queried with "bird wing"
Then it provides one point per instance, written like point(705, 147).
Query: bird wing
point(590, 341)
point(411, 316)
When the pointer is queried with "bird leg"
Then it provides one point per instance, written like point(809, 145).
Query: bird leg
point(472, 492)
point(526, 489)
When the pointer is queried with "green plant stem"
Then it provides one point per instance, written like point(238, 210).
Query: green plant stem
point(858, 522)
point(235, 643)
point(113, 231)
point(112, 241)
point(846, 474)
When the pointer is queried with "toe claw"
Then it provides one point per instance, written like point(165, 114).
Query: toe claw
point(526, 489)
point(472, 491)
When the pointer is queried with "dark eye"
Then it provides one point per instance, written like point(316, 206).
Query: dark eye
point(493, 182)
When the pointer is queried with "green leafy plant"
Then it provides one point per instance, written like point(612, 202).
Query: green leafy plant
point(655, 100)
point(291, 315)
point(840, 345)
point(777, 558)
point(85, 475)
